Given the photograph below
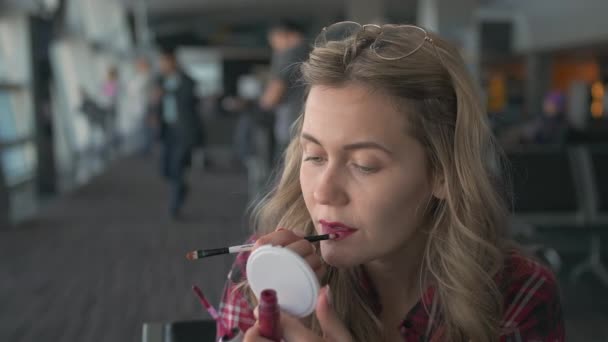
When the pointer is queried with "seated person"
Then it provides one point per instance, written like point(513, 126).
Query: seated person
point(394, 154)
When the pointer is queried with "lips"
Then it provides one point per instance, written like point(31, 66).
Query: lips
point(340, 229)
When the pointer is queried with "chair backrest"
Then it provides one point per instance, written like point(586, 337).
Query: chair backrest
point(179, 331)
point(598, 174)
point(4, 201)
point(193, 331)
point(546, 187)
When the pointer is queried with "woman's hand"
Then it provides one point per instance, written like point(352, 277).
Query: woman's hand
point(288, 239)
point(294, 331)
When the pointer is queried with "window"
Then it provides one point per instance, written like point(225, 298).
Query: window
point(2, 64)
point(18, 163)
point(8, 129)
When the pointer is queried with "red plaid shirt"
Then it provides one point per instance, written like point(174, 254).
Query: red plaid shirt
point(531, 301)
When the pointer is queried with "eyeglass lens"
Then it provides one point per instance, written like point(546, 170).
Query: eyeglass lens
point(393, 42)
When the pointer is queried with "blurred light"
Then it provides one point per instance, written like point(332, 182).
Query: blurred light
point(497, 93)
point(597, 109)
point(597, 90)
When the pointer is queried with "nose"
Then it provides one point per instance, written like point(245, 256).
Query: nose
point(329, 189)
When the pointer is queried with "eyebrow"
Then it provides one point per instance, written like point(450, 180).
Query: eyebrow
point(353, 146)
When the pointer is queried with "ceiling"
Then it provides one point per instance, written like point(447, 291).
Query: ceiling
point(211, 18)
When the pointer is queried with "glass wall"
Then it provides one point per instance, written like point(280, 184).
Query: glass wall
point(96, 39)
point(17, 149)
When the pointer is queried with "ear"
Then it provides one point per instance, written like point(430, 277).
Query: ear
point(439, 187)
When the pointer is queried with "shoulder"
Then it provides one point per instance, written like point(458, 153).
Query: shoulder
point(302, 51)
point(523, 274)
point(289, 61)
point(238, 272)
point(532, 306)
point(295, 56)
point(185, 78)
point(236, 309)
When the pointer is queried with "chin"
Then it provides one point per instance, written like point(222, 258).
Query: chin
point(336, 258)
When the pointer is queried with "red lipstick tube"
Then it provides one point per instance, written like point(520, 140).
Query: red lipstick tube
point(269, 316)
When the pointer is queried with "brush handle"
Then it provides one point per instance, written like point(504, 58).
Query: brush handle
point(315, 238)
point(248, 247)
point(212, 252)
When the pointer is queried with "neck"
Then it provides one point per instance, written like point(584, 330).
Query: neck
point(396, 278)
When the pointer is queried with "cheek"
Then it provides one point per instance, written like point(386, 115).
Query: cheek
point(395, 205)
point(306, 186)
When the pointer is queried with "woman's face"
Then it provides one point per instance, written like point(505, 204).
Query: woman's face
point(362, 176)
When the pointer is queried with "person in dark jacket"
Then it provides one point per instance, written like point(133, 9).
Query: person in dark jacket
point(180, 127)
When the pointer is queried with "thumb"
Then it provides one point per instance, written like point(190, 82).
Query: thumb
point(332, 327)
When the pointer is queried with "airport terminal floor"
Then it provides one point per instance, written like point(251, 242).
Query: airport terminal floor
point(99, 262)
point(88, 249)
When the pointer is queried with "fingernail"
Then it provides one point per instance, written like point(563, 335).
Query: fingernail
point(328, 295)
point(280, 228)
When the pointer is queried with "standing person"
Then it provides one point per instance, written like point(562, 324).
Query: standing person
point(135, 124)
point(101, 110)
point(283, 94)
point(181, 127)
point(109, 101)
point(394, 154)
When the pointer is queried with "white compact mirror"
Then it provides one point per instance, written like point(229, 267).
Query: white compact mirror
point(280, 269)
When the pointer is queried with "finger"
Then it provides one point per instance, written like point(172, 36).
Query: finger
point(302, 247)
point(253, 335)
point(295, 331)
point(314, 262)
point(321, 273)
point(317, 266)
point(332, 327)
point(278, 238)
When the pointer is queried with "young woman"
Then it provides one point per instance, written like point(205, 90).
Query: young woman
point(393, 153)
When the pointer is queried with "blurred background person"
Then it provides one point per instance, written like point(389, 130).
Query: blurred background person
point(138, 102)
point(100, 109)
point(283, 94)
point(181, 127)
point(551, 126)
point(60, 174)
point(109, 100)
point(249, 88)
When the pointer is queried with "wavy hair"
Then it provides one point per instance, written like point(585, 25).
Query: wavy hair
point(465, 247)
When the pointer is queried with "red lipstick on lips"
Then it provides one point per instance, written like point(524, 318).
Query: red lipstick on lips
point(338, 228)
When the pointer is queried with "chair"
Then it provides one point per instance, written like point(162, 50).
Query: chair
point(546, 187)
point(180, 331)
point(4, 200)
point(546, 194)
point(594, 165)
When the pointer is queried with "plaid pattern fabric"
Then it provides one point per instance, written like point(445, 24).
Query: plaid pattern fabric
point(235, 309)
point(531, 302)
point(531, 296)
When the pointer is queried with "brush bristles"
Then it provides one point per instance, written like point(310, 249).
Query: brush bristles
point(192, 255)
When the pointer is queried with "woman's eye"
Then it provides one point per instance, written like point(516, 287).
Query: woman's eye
point(365, 169)
point(313, 159)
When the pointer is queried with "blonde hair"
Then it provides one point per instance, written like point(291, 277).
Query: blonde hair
point(464, 249)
